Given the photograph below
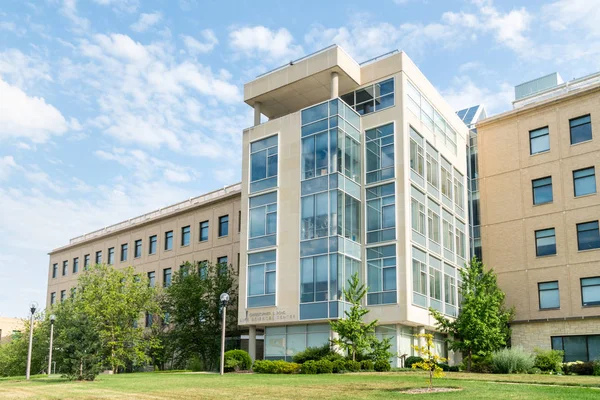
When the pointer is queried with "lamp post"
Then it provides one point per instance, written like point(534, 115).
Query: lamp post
point(52, 318)
point(32, 307)
point(224, 300)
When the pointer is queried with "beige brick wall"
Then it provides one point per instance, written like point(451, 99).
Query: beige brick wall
point(538, 335)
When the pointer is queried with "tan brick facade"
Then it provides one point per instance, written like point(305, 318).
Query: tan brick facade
point(537, 335)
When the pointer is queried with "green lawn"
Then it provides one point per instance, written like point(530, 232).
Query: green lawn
point(346, 386)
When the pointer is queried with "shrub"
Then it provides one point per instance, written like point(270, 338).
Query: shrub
point(549, 360)
point(454, 368)
point(480, 364)
point(597, 368)
point(579, 367)
point(366, 365)
point(333, 357)
point(352, 366)
point(512, 360)
point(382, 366)
point(324, 367)
point(309, 367)
point(411, 360)
point(236, 360)
point(534, 371)
point(313, 353)
point(263, 367)
point(275, 367)
point(445, 367)
point(339, 366)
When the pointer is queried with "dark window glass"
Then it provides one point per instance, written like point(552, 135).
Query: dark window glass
point(167, 277)
point(588, 236)
point(539, 140)
point(153, 242)
point(168, 240)
point(203, 231)
point(584, 181)
point(124, 251)
point(148, 320)
point(111, 256)
point(63, 295)
point(581, 129)
point(137, 248)
point(65, 267)
point(542, 190)
point(52, 298)
point(151, 279)
point(545, 242)
point(185, 235)
point(54, 270)
point(222, 264)
point(86, 261)
point(203, 269)
point(548, 295)
point(590, 291)
point(98, 257)
point(224, 225)
point(76, 265)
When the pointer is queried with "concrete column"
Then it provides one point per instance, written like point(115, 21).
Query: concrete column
point(252, 342)
point(335, 85)
point(421, 331)
point(257, 113)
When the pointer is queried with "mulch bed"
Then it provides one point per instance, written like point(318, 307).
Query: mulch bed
point(427, 390)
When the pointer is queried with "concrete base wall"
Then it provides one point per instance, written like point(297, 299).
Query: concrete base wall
point(538, 335)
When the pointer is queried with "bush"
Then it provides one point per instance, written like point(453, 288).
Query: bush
point(597, 368)
point(236, 360)
point(333, 357)
point(313, 353)
point(275, 367)
point(454, 368)
point(579, 367)
point(309, 367)
point(480, 364)
point(382, 366)
point(512, 360)
point(324, 367)
point(366, 365)
point(534, 371)
point(263, 367)
point(353, 366)
point(445, 367)
point(339, 366)
point(549, 360)
point(411, 360)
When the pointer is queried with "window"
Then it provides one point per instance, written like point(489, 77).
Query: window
point(460, 242)
point(548, 295)
point(416, 157)
point(223, 264)
point(380, 153)
point(449, 286)
point(315, 215)
point(148, 322)
point(63, 295)
point(203, 269)
point(151, 279)
point(124, 251)
point(86, 261)
point(448, 235)
point(99, 257)
point(446, 183)
point(433, 224)
point(137, 248)
point(584, 181)
point(65, 268)
point(262, 279)
point(542, 190)
point(418, 216)
point(315, 154)
point(590, 291)
point(539, 140)
point(54, 270)
point(545, 242)
point(52, 298)
point(223, 225)
point(111, 256)
point(433, 171)
point(578, 348)
point(263, 221)
point(459, 195)
point(588, 236)
point(581, 129)
point(419, 277)
point(185, 235)
point(313, 279)
point(76, 265)
point(166, 277)
point(239, 221)
point(371, 98)
point(152, 244)
point(381, 275)
point(263, 164)
point(203, 231)
point(169, 240)
point(435, 283)
point(381, 213)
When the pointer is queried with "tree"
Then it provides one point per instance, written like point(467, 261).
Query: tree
point(114, 300)
point(355, 336)
point(194, 307)
point(13, 352)
point(430, 359)
point(482, 324)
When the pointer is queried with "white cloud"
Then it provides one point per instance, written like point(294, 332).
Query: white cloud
point(209, 41)
point(69, 10)
point(259, 41)
point(464, 92)
point(7, 165)
point(128, 6)
point(23, 70)
point(146, 21)
point(573, 14)
point(22, 116)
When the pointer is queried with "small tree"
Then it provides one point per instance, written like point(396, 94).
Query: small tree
point(430, 359)
point(482, 324)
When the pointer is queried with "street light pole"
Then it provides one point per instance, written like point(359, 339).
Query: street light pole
point(224, 300)
point(32, 307)
point(52, 318)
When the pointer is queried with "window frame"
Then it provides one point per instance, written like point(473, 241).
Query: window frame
point(581, 286)
point(169, 238)
point(571, 120)
point(152, 244)
point(269, 153)
point(124, 251)
point(202, 229)
point(75, 265)
point(540, 231)
point(98, 257)
point(540, 185)
point(167, 272)
point(540, 290)
point(224, 226)
point(137, 245)
point(186, 232)
point(575, 179)
point(533, 131)
point(54, 270)
point(597, 229)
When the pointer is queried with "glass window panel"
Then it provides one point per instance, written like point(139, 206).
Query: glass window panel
point(542, 190)
point(584, 181)
point(389, 279)
point(315, 113)
point(581, 129)
point(588, 236)
point(575, 348)
point(271, 283)
point(539, 140)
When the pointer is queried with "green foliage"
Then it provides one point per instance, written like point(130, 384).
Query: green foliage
point(580, 368)
point(444, 366)
point(380, 349)
point(13, 353)
point(549, 360)
point(382, 366)
point(352, 366)
point(355, 336)
point(481, 364)
point(242, 359)
point(366, 365)
point(195, 364)
point(454, 368)
point(275, 367)
point(313, 353)
point(431, 360)
point(339, 366)
point(194, 306)
point(333, 357)
point(411, 360)
point(324, 367)
point(309, 367)
point(534, 371)
point(482, 324)
point(512, 360)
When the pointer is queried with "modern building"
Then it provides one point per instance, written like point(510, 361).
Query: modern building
point(360, 168)
point(540, 210)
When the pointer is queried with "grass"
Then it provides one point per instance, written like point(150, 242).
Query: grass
point(255, 386)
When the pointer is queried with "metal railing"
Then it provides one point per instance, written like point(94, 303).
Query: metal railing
point(292, 62)
point(385, 55)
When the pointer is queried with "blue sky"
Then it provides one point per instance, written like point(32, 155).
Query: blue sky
point(113, 108)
